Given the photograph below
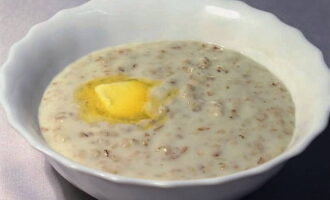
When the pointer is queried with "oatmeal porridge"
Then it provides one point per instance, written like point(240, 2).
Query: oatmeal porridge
point(168, 110)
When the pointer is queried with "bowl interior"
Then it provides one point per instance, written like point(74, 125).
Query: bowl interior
point(50, 46)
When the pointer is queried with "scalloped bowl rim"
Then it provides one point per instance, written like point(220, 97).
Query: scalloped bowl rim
point(145, 182)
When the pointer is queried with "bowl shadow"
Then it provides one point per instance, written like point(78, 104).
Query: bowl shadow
point(65, 189)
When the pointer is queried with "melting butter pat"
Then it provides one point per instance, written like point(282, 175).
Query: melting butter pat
point(124, 99)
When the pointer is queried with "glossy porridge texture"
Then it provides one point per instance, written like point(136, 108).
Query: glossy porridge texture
point(230, 113)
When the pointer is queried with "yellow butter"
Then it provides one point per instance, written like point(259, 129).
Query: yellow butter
point(124, 99)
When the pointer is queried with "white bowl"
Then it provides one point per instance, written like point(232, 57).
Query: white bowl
point(72, 33)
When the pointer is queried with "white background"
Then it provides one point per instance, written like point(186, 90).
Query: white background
point(24, 173)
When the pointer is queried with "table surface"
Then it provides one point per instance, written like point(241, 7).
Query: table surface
point(24, 173)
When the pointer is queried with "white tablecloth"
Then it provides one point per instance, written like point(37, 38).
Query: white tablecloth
point(24, 173)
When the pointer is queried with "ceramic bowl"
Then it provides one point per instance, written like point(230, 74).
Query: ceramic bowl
point(50, 46)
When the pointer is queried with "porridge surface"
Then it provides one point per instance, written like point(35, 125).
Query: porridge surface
point(223, 112)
